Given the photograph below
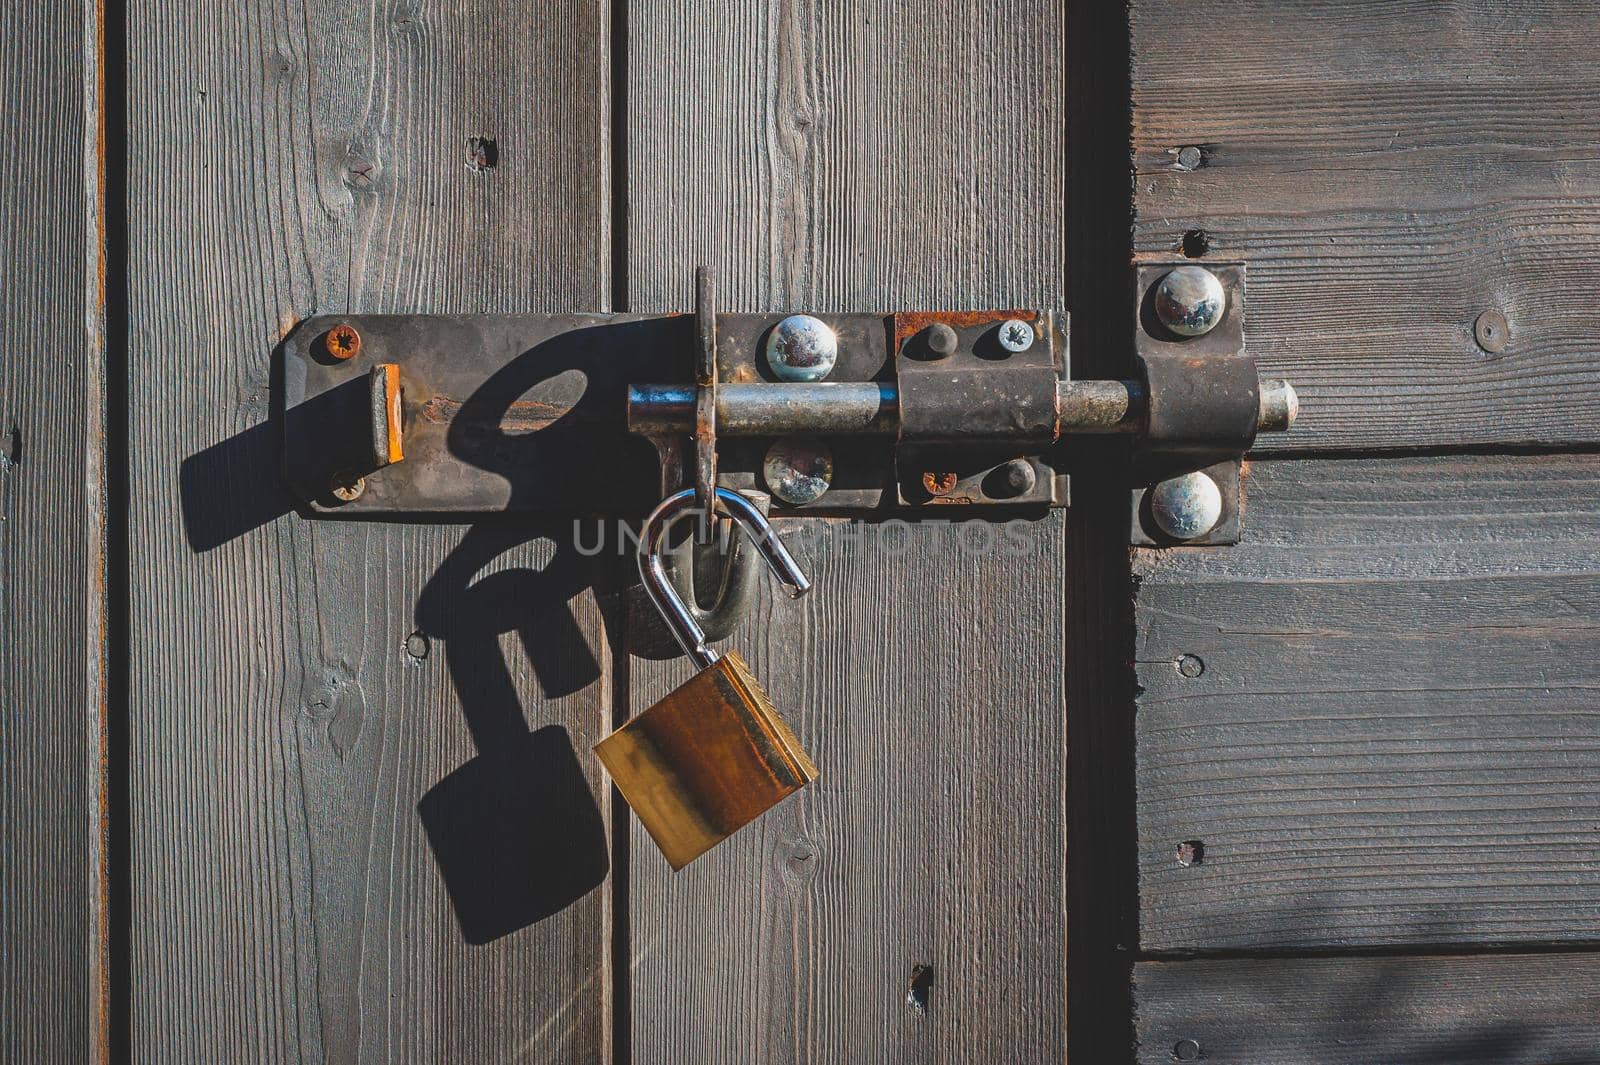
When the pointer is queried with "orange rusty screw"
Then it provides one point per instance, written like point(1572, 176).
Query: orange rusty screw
point(343, 342)
point(347, 487)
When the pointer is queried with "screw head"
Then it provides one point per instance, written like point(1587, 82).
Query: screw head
point(1016, 335)
point(343, 342)
point(347, 487)
point(941, 340)
point(939, 482)
point(1190, 666)
point(1190, 300)
point(802, 348)
point(1186, 507)
point(798, 469)
point(1186, 1050)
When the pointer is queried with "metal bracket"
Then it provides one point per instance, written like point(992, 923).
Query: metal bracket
point(979, 408)
point(545, 414)
point(1206, 404)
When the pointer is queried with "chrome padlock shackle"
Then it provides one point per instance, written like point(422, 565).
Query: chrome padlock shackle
point(653, 571)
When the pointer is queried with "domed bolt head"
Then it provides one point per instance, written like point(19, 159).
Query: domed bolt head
point(802, 348)
point(798, 469)
point(1186, 507)
point(1190, 301)
point(941, 340)
point(1015, 478)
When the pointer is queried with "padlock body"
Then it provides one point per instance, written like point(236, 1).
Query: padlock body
point(705, 761)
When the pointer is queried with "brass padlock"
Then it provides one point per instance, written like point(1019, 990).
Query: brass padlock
point(714, 755)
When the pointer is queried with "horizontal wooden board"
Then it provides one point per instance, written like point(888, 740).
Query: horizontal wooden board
point(1486, 1010)
point(1389, 172)
point(53, 972)
point(1377, 715)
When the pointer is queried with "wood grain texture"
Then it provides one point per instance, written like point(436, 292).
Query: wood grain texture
point(1389, 172)
point(1505, 1010)
point(348, 845)
point(1387, 730)
point(909, 905)
point(51, 544)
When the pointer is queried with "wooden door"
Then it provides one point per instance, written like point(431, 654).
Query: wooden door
point(286, 789)
point(355, 749)
point(1384, 733)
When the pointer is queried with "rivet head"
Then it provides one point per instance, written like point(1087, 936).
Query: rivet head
point(1186, 1050)
point(1492, 332)
point(1190, 301)
point(941, 340)
point(798, 469)
point(1186, 507)
point(802, 348)
point(1015, 478)
point(1016, 335)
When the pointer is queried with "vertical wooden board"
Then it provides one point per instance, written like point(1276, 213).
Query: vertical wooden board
point(841, 157)
point(1487, 1010)
point(1391, 172)
point(1374, 719)
point(51, 542)
point(347, 844)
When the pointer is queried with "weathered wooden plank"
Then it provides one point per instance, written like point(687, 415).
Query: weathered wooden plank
point(352, 843)
point(1389, 172)
point(910, 905)
point(1506, 1010)
point(1377, 713)
point(52, 542)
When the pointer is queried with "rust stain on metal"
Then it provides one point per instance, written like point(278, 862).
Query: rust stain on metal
point(705, 421)
point(909, 323)
point(391, 406)
point(343, 342)
point(939, 482)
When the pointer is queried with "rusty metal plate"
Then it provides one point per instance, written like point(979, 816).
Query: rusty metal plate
point(973, 412)
point(515, 413)
point(527, 413)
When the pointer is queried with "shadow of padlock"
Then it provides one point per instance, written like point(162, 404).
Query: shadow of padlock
point(714, 755)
